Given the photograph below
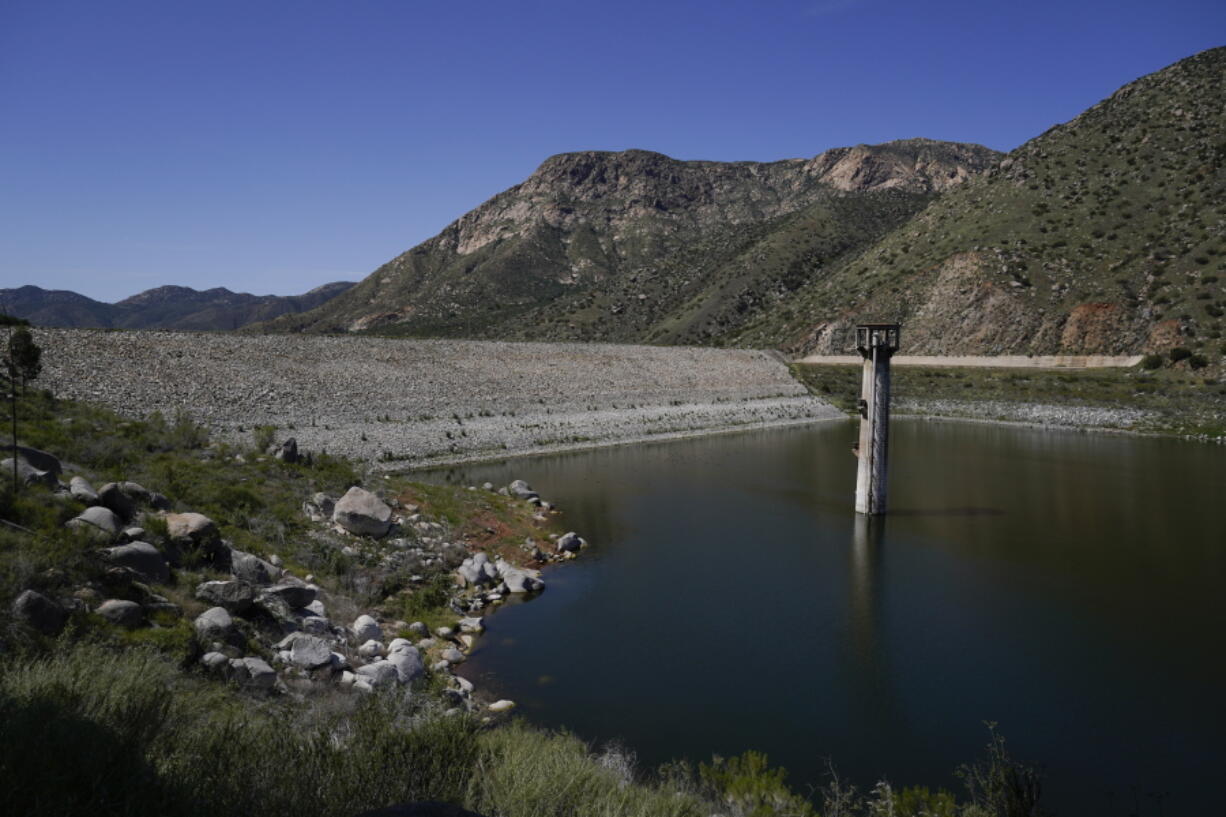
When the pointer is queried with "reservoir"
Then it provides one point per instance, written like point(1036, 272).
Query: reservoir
point(1069, 587)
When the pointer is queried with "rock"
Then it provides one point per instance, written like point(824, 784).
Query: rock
point(477, 570)
point(502, 706)
point(452, 656)
point(399, 644)
point(307, 651)
point(408, 663)
point(296, 596)
point(316, 625)
point(444, 632)
point(473, 624)
point(371, 649)
point(319, 508)
point(254, 672)
point(40, 460)
point(441, 666)
point(40, 612)
point(366, 628)
point(133, 534)
point(99, 518)
point(215, 624)
point(419, 628)
point(363, 685)
point(123, 497)
point(465, 685)
point(124, 613)
point(275, 560)
point(288, 452)
point(215, 661)
point(361, 512)
point(317, 608)
point(570, 543)
point(521, 490)
point(139, 557)
point(252, 568)
point(236, 596)
point(378, 673)
point(27, 474)
point(519, 581)
point(194, 530)
point(82, 491)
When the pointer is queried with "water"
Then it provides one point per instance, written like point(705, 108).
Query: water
point(1067, 586)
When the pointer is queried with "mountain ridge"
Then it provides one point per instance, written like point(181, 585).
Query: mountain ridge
point(593, 235)
point(165, 307)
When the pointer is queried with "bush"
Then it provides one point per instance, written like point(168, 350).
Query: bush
point(1179, 353)
point(1198, 361)
point(263, 437)
point(1151, 361)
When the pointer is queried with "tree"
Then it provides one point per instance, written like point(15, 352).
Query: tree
point(24, 357)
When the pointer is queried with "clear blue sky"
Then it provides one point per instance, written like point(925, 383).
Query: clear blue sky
point(272, 146)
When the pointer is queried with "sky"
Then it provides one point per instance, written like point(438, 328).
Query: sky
point(270, 147)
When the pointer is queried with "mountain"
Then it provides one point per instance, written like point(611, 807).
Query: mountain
point(637, 246)
point(168, 307)
point(1106, 234)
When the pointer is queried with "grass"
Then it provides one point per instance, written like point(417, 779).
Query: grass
point(1180, 400)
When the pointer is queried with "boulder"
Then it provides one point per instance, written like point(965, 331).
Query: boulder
point(288, 452)
point(124, 498)
point(522, 490)
point(124, 613)
point(215, 662)
point(317, 608)
point(40, 612)
point(37, 459)
point(361, 512)
point(236, 595)
point(27, 474)
point(408, 663)
point(215, 624)
point(99, 518)
point(502, 706)
point(253, 672)
point(419, 628)
point(139, 557)
point(195, 531)
point(316, 625)
point(253, 569)
point(295, 595)
point(372, 649)
point(365, 628)
point(307, 651)
point(477, 570)
point(452, 656)
point(378, 673)
point(517, 580)
point(570, 543)
point(473, 624)
point(82, 491)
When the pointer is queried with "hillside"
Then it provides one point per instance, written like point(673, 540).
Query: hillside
point(167, 307)
point(1102, 235)
point(639, 246)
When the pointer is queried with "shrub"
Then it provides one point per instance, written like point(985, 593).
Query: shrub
point(1179, 353)
point(1198, 361)
point(263, 438)
point(1151, 361)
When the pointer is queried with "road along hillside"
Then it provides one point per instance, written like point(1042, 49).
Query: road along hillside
point(415, 403)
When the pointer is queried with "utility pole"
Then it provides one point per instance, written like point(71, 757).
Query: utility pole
point(877, 343)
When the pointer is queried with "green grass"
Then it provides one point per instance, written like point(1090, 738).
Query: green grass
point(1183, 401)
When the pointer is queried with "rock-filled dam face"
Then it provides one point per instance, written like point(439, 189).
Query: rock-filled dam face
point(409, 403)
